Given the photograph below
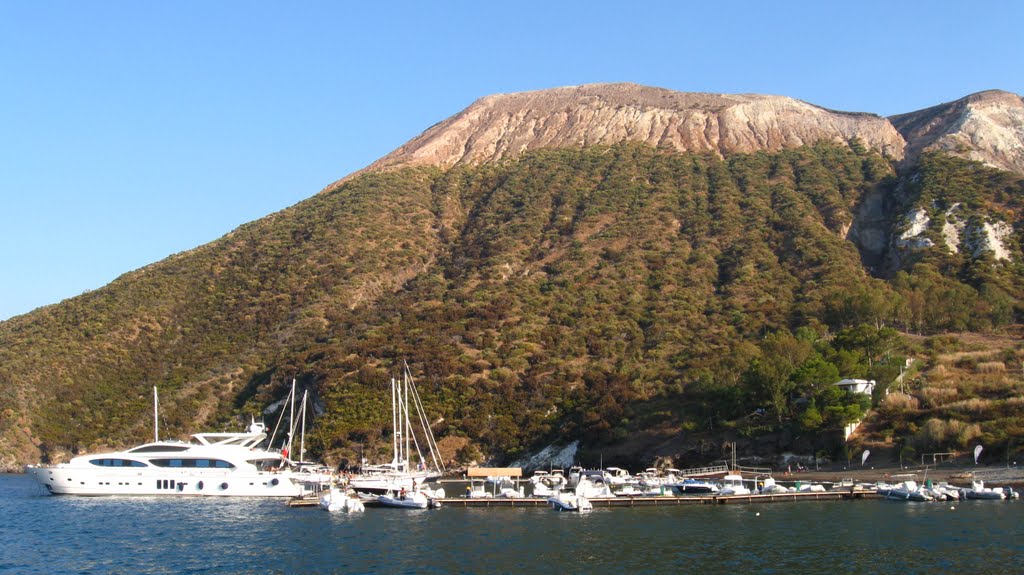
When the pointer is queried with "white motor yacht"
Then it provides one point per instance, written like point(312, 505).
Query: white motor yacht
point(732, 484)
point(694, 487)
point(212, 464)
point(547, 484)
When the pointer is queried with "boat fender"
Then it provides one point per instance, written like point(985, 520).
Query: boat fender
point(223, 485)
point(274, 481)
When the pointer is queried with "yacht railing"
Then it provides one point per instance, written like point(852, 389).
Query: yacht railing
point(709, 470)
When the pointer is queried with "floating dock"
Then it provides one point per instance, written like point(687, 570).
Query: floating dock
point(668, 500)
point(650, 501)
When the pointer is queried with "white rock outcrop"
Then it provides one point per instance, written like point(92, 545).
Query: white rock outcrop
point(987, 127)
point(990, 237)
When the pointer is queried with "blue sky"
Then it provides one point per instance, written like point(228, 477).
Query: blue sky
point(130, 131)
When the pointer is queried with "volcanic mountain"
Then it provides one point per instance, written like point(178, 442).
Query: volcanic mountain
point(630, 267)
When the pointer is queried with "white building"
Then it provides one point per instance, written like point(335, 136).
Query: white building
point(865, 386)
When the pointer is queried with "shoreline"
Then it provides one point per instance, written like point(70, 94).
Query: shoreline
point(955, 475)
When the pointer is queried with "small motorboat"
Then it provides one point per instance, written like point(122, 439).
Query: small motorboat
point(979, 491)
point(769, 486)
point(404, 500)
point(547, 484)
point(904, 491)
point(694, 487)
point(567, 501)
point(340, 500)
point(733, 485)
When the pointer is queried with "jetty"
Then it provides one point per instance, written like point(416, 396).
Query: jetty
point(671, 500)
point(644, 501)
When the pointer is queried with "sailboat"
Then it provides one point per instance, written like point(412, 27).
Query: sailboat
point(314, 477)
point(400, 474)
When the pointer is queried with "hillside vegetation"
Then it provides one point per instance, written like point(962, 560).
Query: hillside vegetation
point(602, 294)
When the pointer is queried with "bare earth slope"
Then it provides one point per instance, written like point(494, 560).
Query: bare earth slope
point(987, 127)
point(506, 125)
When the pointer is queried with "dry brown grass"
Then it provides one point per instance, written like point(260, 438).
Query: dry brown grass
point(900, 402)
point(975, 406)
point(936, 396)
point(939, 435)
point(991, 367)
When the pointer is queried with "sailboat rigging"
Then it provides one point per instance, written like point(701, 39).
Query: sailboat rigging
point(406, 406)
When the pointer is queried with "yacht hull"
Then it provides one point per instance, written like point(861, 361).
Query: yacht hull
point(67, 480)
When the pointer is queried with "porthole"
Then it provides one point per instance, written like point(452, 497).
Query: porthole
point(199, 486)
point(223, 485)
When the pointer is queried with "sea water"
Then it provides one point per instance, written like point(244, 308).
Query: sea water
point(52, 535)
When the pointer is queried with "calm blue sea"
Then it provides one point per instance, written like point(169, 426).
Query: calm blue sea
point(42, 534)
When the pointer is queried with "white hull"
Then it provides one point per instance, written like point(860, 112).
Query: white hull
point(906, 491)
point(70, 480)
point(381, 484)
point(989, 495)
point(408, 501)
point(570, 502)
point(212, 465)
point(340, 501)
point(694, 487)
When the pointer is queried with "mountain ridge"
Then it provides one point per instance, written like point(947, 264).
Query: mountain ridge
point(502, 126)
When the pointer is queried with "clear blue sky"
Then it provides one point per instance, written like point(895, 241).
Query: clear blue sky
point(130, 131)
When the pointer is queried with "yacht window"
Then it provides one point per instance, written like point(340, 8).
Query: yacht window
point(206, 463)
point(113, 462)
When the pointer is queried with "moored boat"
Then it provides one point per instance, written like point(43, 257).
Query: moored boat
point(732, 484)
point(547, 484)
point(568, 501)
point(904, 491)
point(341, 500)
point(978, 490)
point(694, 487)
point(212, 464)
point(404, 500)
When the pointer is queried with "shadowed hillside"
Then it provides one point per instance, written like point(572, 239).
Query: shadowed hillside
point(600, 293)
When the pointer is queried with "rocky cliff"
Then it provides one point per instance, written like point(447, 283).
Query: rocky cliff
point(987, 127)
point(506, 125)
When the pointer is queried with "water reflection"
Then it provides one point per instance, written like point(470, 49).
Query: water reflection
point(58, 535)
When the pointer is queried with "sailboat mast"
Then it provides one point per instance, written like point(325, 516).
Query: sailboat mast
point(302, 442)
point(291, 418)
point(156, 416)
point(405, 418)
point(394, 426)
